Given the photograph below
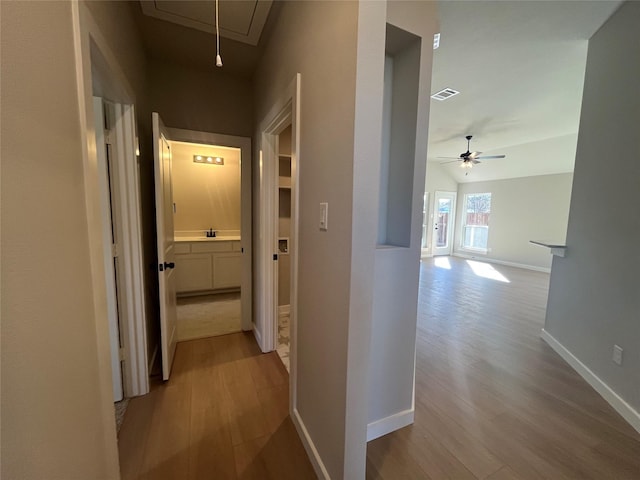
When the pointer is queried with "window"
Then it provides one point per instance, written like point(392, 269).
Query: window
point(475, 229)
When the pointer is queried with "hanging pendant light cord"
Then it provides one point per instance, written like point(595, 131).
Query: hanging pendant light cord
point(218, 57)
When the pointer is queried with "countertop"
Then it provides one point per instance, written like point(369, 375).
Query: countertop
point(207, 239)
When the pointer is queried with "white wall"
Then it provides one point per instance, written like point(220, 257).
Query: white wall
point(438, 179)
point(594, 297)
point(206, 196)
point(522, 209)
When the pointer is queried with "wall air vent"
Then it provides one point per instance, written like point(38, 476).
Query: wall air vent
point(444, 94)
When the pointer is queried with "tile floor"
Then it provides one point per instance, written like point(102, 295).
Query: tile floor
point(208, 315)
point(283, 339)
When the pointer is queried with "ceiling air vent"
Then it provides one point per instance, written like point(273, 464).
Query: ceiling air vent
point(444, 94)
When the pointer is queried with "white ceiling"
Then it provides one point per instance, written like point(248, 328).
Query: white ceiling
point(519, 66)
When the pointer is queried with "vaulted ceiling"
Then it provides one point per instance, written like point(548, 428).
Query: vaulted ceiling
point(519, 67)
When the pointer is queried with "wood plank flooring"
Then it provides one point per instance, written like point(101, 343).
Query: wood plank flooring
point(493, 401)
point(222, 415)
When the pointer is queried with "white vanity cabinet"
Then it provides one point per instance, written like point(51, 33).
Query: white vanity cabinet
point(207, 265)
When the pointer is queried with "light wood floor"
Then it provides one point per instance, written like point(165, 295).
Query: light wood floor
point(493, 401)
point(222, 415)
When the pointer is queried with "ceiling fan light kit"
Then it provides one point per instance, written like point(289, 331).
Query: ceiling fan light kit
point(469, 158)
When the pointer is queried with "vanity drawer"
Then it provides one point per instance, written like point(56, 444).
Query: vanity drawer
point(180, 247)
point(204, 247)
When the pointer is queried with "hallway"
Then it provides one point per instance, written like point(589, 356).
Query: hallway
point(493, 401)
point(223, 415)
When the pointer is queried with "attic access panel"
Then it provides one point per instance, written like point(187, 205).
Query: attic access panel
point(241, 20)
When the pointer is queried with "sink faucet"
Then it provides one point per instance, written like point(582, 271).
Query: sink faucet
point(211, 233)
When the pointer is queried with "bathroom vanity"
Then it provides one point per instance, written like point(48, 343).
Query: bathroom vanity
point(204, 265)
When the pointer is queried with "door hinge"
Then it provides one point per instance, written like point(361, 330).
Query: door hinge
point(114, 250)
point(275, 256)
point(121, 355)
point(107, 137)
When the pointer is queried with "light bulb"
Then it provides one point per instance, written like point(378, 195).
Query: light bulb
point(218, 60)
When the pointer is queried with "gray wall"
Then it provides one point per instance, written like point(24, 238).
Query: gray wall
point(392, 355)
point(318, 40)
point(201, 100)
point(522, 209)
point(594, 298)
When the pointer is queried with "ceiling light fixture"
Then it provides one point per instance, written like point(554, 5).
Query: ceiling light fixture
point(468, 164)
point(218, 57)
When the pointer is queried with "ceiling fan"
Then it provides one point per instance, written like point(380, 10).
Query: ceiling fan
point(468, 158)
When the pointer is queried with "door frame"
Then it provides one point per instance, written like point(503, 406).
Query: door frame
point(99, 74)
point(104, 113)
point(285, 111)
point(246, 196)
point(451, 224)
point(127, 222)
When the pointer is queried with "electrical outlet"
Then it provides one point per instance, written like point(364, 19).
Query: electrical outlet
point(617, 354)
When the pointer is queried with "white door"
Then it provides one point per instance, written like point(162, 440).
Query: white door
point(166, 258)
point(444, 213)
point(109, 196)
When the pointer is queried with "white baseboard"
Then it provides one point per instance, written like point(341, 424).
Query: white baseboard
point(283, 310)
point(482, 258)
point(153, 358)
point(623, 408)
point(389, 424)
point(310, 447)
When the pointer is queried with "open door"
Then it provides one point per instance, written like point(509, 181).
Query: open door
point(166, 260)
point(444, 212)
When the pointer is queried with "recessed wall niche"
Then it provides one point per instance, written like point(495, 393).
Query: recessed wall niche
point(400, 110)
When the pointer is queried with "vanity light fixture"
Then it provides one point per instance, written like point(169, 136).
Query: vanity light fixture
point(208, 159)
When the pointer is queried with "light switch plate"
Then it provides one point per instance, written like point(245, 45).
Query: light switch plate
point(617, 354)
point(324, 216)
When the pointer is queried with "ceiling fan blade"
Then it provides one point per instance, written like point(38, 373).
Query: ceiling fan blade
point(492, 156)
point(475, 162)
point(474, 155)
point(449, 158)
point(450, 161)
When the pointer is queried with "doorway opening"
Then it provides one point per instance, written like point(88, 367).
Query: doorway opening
point(206, 185)
point(284, 232)
point(276, 214)
point(204, 191)
point(444, 213)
